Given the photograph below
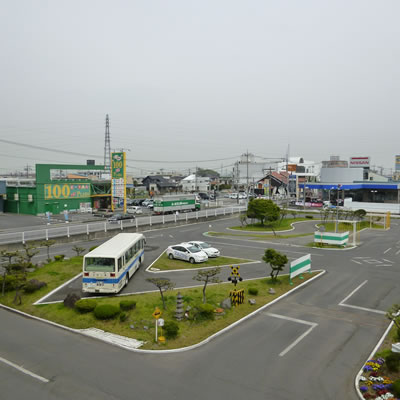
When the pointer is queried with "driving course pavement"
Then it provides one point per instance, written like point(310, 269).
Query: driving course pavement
point(309, 345)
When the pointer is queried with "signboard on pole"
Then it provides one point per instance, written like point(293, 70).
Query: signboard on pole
point(300, 265)
point(118, 179)
point(359, 162)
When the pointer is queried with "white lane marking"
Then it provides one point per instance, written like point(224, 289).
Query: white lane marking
point(361, 258)
point(351, 294)
point(357, 262)
point(357, 307)
point(363, 309)
point(397, 252)
point(170, 236)
point(301, 337)
point(384, 259)
point(387, 250)
point(23, 370)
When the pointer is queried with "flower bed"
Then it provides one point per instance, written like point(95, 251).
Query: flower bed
point(377, 380)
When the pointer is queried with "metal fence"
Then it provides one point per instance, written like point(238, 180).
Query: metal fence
point(78, 229)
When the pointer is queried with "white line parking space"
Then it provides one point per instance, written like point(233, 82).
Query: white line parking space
point(342, 303)
point(301, 337)
point(24, 371)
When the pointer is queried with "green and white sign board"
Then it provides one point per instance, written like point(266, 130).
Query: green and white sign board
point(302, 264)
point(339, 239)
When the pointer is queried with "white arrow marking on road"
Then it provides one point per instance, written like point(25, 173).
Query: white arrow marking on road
point(397, 252)
point(357, 262)
point(301, 337)
point(384, 259)
point(23, 370)
point(387, 250)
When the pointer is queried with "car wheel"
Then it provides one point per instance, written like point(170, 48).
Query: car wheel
point(191, 260)
point(170, 256)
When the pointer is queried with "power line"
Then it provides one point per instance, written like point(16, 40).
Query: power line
point(99, 157)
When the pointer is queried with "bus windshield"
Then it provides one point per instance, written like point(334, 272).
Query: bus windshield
point(100, 264)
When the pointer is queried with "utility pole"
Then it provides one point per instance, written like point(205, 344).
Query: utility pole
point(27, 169)
point(195, 180)
point(107, 146)
point(247, 172)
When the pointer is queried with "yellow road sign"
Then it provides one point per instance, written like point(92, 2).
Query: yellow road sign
point(157, 313)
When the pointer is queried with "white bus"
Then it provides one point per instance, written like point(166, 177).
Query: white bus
point(108, 267)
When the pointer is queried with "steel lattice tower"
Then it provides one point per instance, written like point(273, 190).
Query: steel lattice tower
point(107, 145)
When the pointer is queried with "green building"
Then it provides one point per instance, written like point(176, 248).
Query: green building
point(60, 187)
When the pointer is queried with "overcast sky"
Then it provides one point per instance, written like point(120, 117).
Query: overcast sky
point(199, 80)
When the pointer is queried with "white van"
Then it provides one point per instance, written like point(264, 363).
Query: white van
point(134, 210)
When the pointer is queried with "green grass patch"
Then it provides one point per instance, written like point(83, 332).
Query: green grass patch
point(343, 226)
point(54, 274)
point(259, 236)
point(165, 264)
point(324, 246)
point(190, 331)
point(283, 225)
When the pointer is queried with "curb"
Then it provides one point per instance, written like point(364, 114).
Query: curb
point(182, 349)
point(357, 379)
point(148, 269)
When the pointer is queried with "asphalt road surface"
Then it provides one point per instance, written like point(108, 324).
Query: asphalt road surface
point(310, 345)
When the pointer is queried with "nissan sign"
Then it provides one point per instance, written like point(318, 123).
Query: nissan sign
point(359, 162)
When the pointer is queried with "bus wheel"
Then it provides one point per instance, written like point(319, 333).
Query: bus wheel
point(191, 260)
point(126, 280)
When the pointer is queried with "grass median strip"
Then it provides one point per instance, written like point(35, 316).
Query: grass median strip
point(165, 264)
point(257, 236)
point(138, 323)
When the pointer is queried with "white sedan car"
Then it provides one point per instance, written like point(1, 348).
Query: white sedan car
point(207, 248)
point(186, 252)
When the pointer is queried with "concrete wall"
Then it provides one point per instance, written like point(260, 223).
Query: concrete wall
point(341, 175)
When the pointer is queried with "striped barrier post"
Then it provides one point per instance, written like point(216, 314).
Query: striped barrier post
point(297, 267)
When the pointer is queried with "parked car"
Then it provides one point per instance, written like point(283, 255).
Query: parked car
point(119, 217)
point(207, 248)
point(233, 196)
point(134, 210)
point(186, 252)
point(146, 202)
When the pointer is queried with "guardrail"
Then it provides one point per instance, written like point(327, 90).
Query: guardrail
point(78, 229)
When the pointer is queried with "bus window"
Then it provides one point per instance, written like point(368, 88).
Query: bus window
point(120, 264)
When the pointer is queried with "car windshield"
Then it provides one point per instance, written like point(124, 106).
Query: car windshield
point(193, 249)
point(99, 264)
point(204, 245)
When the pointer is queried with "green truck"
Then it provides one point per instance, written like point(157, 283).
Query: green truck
point(172, 203)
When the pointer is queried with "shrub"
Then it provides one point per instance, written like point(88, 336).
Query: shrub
point(204, 312)
point(398, 333)
point(92, 248)
point(11, 283)
point(127, 305)
point(106, 311)
point(396, 388)
point(59, 257)
point(123, 317)
point(85, 305)
point(33, 285)
point(253, 291)
point(309, 216)
point(393, 362)
point(171, 329)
